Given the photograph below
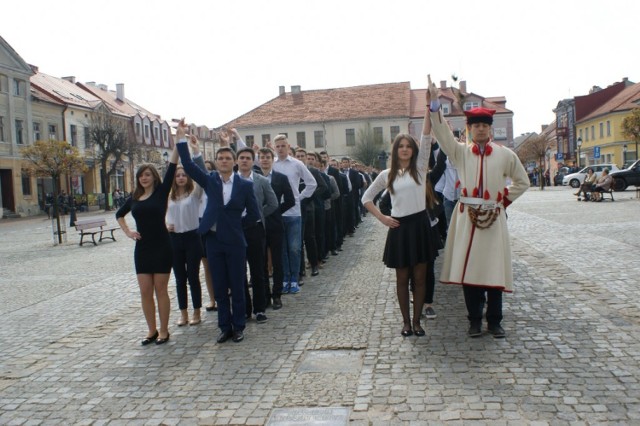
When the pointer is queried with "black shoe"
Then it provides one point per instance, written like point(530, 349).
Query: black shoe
point(277, 303)
point(334, 253)
point(475, 330)
point(418, 330)
point(339, 248)
point(314, 271)
point(163, 340)
point(224, 336)
point(261, 318)
point(211, 308)
point(406, 331)
point(497, 332)
point(238, 336)
point(148, 340)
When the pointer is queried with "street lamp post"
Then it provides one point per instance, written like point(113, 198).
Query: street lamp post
point(579, 143)
point(72, 198)
point(624, 155)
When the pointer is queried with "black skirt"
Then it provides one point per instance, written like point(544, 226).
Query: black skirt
point(413, 242)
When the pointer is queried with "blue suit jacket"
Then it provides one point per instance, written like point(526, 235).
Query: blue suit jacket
point(228, 218)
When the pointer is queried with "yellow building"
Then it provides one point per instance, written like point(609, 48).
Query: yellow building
point(601, 131)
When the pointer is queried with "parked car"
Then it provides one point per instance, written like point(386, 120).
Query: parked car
point(560, 174)
point(629, 176)
point(576, 179)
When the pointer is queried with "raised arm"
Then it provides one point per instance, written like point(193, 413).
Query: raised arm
point(440, 128)
point(196, 173)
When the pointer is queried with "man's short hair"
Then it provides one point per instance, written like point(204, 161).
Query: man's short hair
point(279, 138)
point(301, 150)
point(315, 154)
point(226, 149)
point(249, 150)
point(267, 151)
point(345, 159)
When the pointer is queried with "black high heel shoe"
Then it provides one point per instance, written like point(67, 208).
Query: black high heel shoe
point(163, 340)
point(148, 340)
point(406, 331)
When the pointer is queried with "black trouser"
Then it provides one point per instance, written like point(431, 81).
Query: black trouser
point(349, 214)
point(339, 218)
point(320, 231)
point(474, 297)
point(309, 238)
point(255, 237)
point(330, 231)
point(443, 225)
point(187, 253)
point(274, 236)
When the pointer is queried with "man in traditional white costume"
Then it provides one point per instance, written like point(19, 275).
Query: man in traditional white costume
point(478, 252)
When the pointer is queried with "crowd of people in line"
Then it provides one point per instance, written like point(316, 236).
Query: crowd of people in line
point(270, 207)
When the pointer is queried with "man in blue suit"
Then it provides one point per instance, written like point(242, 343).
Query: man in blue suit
point(227, 197)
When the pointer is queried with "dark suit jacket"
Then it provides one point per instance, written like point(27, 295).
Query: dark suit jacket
point(356, 181)
point(332, 171)
point(286, 199)
point(228, 218)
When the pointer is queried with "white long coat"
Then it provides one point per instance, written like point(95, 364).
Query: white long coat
point(474, 256)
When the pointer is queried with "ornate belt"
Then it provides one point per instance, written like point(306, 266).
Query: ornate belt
point(482, 213)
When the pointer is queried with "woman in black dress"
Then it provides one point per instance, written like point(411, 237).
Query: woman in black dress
point(152, 255)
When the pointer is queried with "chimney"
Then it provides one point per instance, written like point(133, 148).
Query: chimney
point(463, 86)
point(544, 127)
point(120, 92)
point(103, 87)
point(295, 90)
point(34, 68)
point(281, 90)
point(443, 84)
point(91, 83)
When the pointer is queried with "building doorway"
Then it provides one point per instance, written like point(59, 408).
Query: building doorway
point(7, 200)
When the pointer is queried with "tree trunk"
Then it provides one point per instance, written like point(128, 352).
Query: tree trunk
point(105, 186)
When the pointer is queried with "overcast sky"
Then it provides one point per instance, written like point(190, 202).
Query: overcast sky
point(212, 61)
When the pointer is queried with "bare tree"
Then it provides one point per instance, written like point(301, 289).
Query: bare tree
point(368, 147)
point(115, 141)
point(535, 149)
point(631, 127)
point(53, 159)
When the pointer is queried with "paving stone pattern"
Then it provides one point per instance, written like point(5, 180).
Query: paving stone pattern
point(70, 350)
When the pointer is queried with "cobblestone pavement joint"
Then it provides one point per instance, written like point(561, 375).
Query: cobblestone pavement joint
point(70, 350)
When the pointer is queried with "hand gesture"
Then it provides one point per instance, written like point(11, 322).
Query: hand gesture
point(224, 138)
point(234, 133)
point(432, 92)
point(269, 145)
point(193, 144)
point(181, 131)
point(256, 148)
point(390, 222)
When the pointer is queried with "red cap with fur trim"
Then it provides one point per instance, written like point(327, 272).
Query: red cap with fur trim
point(480, 115)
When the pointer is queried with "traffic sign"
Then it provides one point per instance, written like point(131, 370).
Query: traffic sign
point(560, 156)
point(596, 152)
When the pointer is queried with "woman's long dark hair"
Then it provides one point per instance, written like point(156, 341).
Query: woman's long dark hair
point(139, 191)
point(395, 161)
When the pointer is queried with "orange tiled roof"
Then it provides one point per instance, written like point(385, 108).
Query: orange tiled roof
point(418, 102)
point(626, 100)
point(126, 107)
point(64, 91)
point(340, 104)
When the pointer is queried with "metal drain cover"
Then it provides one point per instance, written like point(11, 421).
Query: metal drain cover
point(325, 416)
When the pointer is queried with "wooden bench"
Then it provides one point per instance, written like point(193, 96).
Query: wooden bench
point(94, 226)
point(608, 192)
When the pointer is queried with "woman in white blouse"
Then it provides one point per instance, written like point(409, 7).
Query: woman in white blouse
point(407, 248)
point(182, 222)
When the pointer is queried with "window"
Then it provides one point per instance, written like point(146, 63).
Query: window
point(87, 137)
point(265, 138)
point(53, 134)
point(1, 128)
point(469, 105)
point(36, 132)
point(608, 128)
point(377, 134)
point(318, 137)
point(601, 130)
point(580, 134)
point(249, 141)
point(351, 137)
point(155, 133)
point(26, 183)
point(164, 135)
point(18, 87)
point(593, 132)
point(3, 83)
point(137, 129)
point(74, 135)
point(446, 108)
point(394, 131)
point(19, 129)
point(301, 139)
point(146, 131)
point(586, 134)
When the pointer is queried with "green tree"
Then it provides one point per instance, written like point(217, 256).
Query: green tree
point(631, 127)
point(368, 146)
point(115, 143)
point(53, 159)
point(535, 149)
